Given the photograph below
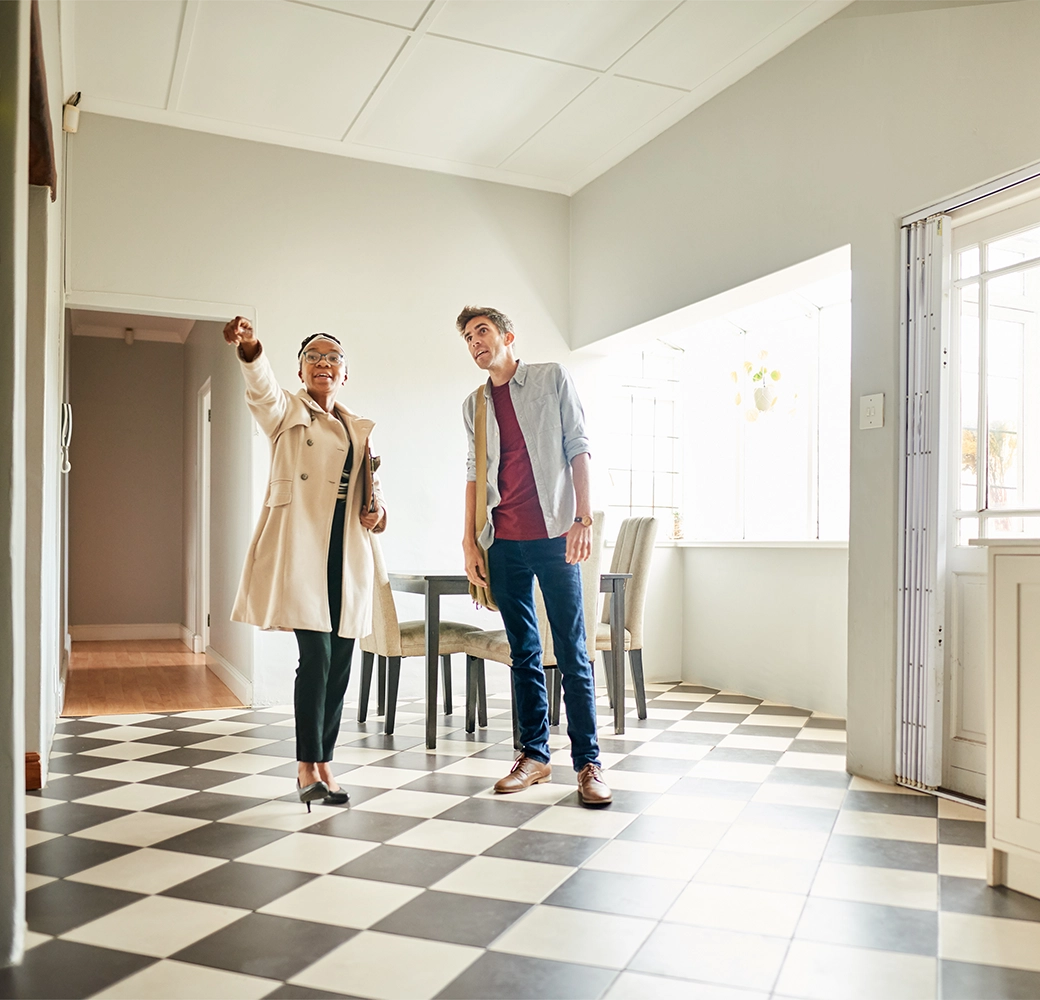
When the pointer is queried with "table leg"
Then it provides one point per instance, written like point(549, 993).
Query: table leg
point(617, 649)
point(433, 642)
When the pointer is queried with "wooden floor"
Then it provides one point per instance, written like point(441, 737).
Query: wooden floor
point(148, 675)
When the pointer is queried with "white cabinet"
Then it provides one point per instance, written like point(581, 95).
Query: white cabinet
point(1013, 799)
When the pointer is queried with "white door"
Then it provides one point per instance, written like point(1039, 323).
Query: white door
point(202, 479)
point(994, 449)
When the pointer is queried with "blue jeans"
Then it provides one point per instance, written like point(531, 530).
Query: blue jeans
point(513, 567)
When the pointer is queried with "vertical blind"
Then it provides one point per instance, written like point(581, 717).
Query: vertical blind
point(922, 570)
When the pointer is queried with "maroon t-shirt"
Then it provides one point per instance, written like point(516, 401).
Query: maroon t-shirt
point(518, 517)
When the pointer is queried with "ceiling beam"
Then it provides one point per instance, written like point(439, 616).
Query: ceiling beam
point(180, 63)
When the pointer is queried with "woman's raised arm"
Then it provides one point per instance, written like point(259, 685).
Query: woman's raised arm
point(239, 332)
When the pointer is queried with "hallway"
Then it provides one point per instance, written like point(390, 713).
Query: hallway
point(739, 861)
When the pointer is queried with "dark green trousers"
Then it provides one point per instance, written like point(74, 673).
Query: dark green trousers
point(324, 669)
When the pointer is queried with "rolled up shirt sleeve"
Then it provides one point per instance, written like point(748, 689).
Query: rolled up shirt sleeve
point(572, 417)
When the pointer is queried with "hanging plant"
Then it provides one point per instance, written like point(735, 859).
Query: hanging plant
point(762, 379)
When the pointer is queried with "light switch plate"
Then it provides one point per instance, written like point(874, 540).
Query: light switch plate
point(872, 411)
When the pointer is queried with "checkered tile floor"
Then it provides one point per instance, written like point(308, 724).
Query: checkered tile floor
point(168, 857)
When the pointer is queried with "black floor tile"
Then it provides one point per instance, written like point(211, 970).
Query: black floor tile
point(776, 732)
point(70, 817)
point(963, 981)
point(689, 739)
point(963, 832)
point(77, 727)
point(381, 741)
point(819, 746)
point(63, 970)
point(880, 853)
point(969, 895)
point(726, 718)
point(279, 734)
point(72, 786)
point(234, 884)
point(78, 744)
point(608, 892)
point(740, 755)
point(364, 825)
point(652, 765)
point(695, 689)
point(445, 916)
point(818, 723)
point(808, 776)
point(867, 925)
point(493, 811)
point(781, 710)
point(287, 749)
point(451, 784)
point(715, 788)
point(494, 976)
point(267, 946)
point(75, 764)
point(198, 778)
point(498, 751)
point(207, 805)
point(221, 840)
point(67, 855)
point(549, 848)
point(177, 722)
point(893, 803)
point(263, 718)
point(187, 757)
point(403, 865)
point(60, 906)
point(788, 817)
point(289, 992)
point(734, 699)
point(416, 761)
point(287, 770)
point(176, 738)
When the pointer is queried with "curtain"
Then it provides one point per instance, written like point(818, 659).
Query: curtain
point(42, 168)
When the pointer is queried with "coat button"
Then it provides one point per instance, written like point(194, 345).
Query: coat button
point(309, 441)
point(303, 475)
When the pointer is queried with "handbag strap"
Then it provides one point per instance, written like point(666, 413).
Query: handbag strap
point(480, 448)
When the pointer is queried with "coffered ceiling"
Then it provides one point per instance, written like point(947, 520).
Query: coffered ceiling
point(540, 93)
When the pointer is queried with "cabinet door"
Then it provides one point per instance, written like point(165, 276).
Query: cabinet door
point(1016, 700)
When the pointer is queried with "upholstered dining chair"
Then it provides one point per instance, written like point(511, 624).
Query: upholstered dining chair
point(633, 553)
point(494, 645)
point(391, 641)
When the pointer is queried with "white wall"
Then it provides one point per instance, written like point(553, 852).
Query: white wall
point(831, 142)
point(383, 257)
point(768, 622)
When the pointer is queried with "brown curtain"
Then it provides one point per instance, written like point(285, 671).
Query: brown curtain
point(42, 169)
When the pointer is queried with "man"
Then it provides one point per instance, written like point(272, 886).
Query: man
point(539, 525)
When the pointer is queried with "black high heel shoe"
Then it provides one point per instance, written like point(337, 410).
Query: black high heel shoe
point(339, 797)
point(313, 792)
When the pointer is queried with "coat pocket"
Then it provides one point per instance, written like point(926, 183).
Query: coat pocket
point(279, 493)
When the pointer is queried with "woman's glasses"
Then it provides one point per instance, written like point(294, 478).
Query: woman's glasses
point(313, 357)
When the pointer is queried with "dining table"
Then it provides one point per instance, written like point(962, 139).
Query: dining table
point(434, 586)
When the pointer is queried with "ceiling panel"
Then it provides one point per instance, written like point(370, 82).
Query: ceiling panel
point(702, 37)
point(467, 103)
point(574, 31)
point(91, 323)
point(125, 51)
point(405, 13)
point(588, 128)
point(284, 66)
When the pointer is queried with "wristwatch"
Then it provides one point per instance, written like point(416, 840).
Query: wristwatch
point(586, 521)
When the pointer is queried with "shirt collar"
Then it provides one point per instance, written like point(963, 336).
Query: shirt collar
point(520, 374)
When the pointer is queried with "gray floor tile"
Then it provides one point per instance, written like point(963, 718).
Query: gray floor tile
point(807, 776)
point(60, 906)
point(72, 786)
point(445, 916)
point(963, 981)
point(549, 848)
point(739, 755)
point(867, 925)
point(963, 832)
point(220, 840)
point(494, 976)
point(70, 817)
point(77, 727)
point(688, 739)
point(207, 805)
point(246, 886)
point(187, 756)
point(969, 895)
point(608, 892)
point(175, 738)
point(499, 811)
point(63, 969)
point(451, 784)
point(819, 746)
point(364, 825)
point(73, 764)
point(782, 710)
point(193, 777)
point(879, 853)
point(894, 804)
point(650, 765)
point(788, 817)
point(713, 788)
point(403, 865)
point(818, 723)
point(68, 855)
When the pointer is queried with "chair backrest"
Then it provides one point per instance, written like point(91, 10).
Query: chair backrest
point(633, 552)
point(590, 572)
point(386, 627)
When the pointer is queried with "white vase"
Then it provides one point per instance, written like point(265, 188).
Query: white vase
point(764, 396)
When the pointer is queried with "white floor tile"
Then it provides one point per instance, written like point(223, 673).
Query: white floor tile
point(606, 823)
point(962, 861)
point(126, 751)
point(758, 871)
point(147, 870)
point(671, 751)
point(631, 857)
point(156, 926)
point(308, 852)
point(232, 744)
point(34, 881)
point(757, 911)
point(126, 731)
point(966, 937)
point(887, 826)
point(761, 719)
point(383, 777)
point(129, 770)
point(640, 781)
point(401, 802)
point(813, 761)
point(167, 980)
point(34, 940)
point(456, 838)
point(606, 734)
point(33, 803)
point(756, 742)
point(808, 845)
point(695, 696)
point(834, 972)
point(344, 902)
point(696, 807)
point(729, 770)
point(140, 829)
point(885, 886)
point(639, 986)
point(481, 767)
point(822, 735)
point(359, 756)
point(949, 809)
point(780, 793)
point(257, 786)
point(34, 837)
point(579, 936)
point(505, 878)
point(243, 763)
point(281, 815)
point(389, 967)
point(859, 784)
point(696, 726)
point(136, 796)
point(661, 714)
point(546, 794)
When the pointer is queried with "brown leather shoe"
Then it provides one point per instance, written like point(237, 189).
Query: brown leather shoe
point(526, 772)
point(592, 789)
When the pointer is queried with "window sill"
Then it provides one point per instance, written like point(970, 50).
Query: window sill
point(685, 543)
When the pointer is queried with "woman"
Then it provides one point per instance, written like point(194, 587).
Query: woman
point(310, 566)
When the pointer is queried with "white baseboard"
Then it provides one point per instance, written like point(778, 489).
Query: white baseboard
point(187, 637)
point(236, 682)
point(96, 633)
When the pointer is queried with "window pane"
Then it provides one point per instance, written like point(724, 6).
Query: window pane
point(1013, 249)
point(967, 528)
point(968, 263)
point(968, 326)
point(1013, 527)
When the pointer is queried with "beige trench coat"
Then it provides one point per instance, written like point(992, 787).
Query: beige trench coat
point(284, 581)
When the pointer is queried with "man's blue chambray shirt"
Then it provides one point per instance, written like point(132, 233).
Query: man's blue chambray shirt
point(553, 424)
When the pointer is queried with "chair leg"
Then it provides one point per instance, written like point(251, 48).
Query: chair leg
point(366, 685)
point(446, 678)
point(517, 745)
point(471, 694)
point(481, 694)
point(556, 697)
point(608, 661)
point(381, 687)
point(393, 680)
point(635, 661)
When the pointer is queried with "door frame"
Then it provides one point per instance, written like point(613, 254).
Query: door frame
point(203, 452)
